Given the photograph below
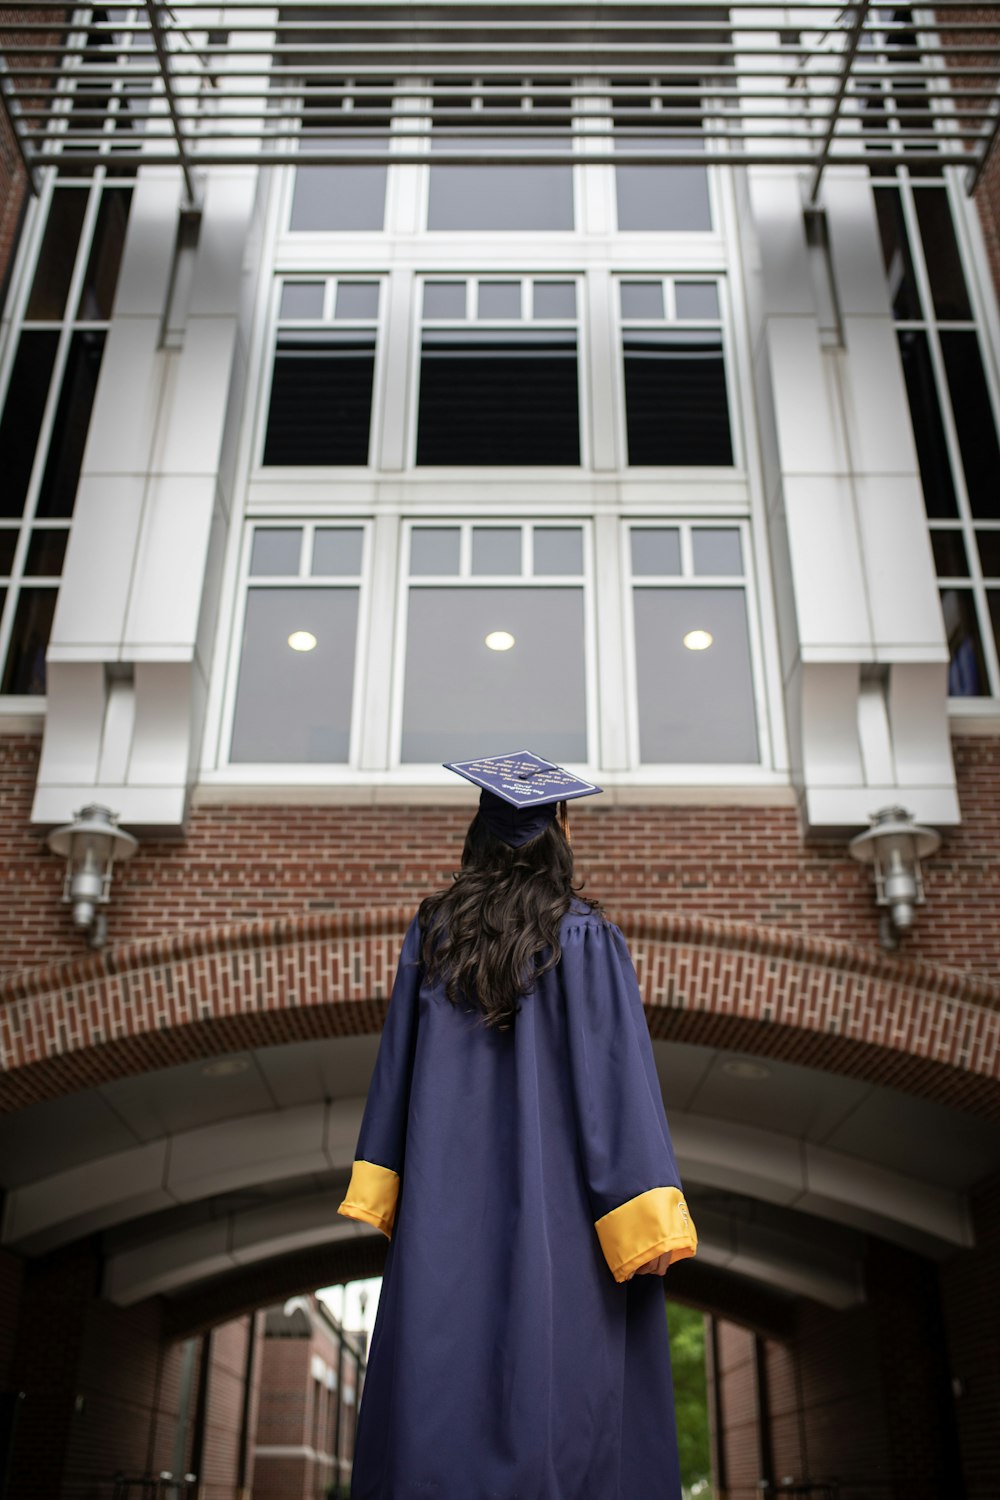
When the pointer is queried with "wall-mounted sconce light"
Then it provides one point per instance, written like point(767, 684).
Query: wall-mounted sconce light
point(90, 845)
point(894, 845)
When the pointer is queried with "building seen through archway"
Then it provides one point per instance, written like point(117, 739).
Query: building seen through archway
point(388, 385)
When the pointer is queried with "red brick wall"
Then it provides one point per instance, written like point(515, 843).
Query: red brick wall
point(866, 1395)
point(243, 864)
point(987, 196)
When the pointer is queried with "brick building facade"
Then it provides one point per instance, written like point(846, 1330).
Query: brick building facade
point(180, 1106)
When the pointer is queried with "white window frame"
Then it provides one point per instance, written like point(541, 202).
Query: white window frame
point(269, 771)
point(680, 771)
point(289, 473)
point(466, 579)
point(515, 472)
point(670, 323)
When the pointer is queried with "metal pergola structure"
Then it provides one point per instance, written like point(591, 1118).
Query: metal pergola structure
point(191, 84)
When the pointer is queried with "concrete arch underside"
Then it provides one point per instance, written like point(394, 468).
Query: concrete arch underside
point(195, 1202)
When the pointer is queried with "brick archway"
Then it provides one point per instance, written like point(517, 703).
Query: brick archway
point(816, 1002)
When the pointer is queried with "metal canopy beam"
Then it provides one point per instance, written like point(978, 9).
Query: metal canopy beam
point(644, 81)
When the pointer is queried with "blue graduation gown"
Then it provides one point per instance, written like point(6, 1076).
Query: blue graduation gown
point(522, 1177)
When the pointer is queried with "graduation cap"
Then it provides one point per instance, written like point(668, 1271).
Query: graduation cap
point(520, 793)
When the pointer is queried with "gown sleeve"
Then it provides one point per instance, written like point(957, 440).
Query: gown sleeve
point(636, 1197)
point(378, 1159)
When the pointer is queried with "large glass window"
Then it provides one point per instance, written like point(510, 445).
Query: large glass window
point(47, 389)
point(296, 671)
point(320, 404)
point(354, 119)
point(515, 115)
point(693, 667)
point(498, 373)
point(953, 409)
point(649, 117)
point(495, 641)
point(676, 404)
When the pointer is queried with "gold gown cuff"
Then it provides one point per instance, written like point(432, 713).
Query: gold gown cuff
point(371, 1196)
point(645, 1227)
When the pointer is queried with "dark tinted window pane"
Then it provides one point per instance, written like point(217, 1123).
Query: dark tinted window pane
point(295, 705)
point(950, 560)
point(974, 419)
point(967, 670)
point(928, 429)
point(22, 416)
point(101, 279)
point(509, 197)
point(8, 546)
point(58, 253)
point(944, 263)
point(461, 697)
point(989, 553)
point(676, 409)
point(498, 399)
point(321, 399)
point(896, 254)
point(993, 600)
point(694, 705)
point(69, 435)
point(25, 669)
point(46, 551)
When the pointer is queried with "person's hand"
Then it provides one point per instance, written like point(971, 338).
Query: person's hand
point(655, 1267)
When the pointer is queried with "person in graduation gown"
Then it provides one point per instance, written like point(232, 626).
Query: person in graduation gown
point(514, 1149)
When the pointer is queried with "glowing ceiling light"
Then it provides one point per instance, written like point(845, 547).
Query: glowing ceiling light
point(698, 640)
point(499, 640)
point(302, 640)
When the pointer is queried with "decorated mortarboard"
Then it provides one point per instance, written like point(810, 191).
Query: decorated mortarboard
point(519, 793)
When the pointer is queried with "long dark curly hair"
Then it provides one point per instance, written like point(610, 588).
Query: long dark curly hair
point(496, 928)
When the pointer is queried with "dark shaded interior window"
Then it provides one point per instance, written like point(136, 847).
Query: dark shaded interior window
point(950, 560)
point(676, 409)
point(46, 552)
point(896, 253)
point(321, 399)
point(8, 546)
point(23, 409)
point(104, 263)
point(57, 255)
point(657, 197)
point(25, 669)
point(944, 262)
point(974, 421)
point(501, 197)
point(989, 553)
point(503, 399)
point(337, 197)
point(57, 494)
point(967, 676)
point(928, 428)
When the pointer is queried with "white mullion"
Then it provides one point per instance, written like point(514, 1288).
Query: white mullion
point(235, 652)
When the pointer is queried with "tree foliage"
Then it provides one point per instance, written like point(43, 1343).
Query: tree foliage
point(687, 1354)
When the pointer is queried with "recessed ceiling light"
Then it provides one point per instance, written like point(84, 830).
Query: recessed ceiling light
point(742, 1067)
point(225, 1067)
point(698, 640)
point(302, 640)
point(499, 640)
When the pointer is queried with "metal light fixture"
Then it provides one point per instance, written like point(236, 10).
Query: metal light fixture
point(894, 845)
point(90, 845)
